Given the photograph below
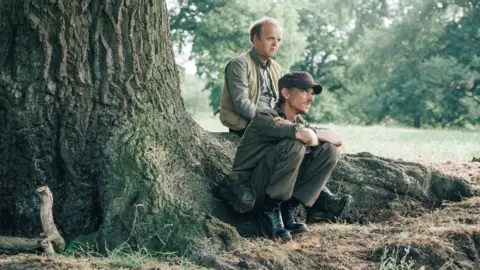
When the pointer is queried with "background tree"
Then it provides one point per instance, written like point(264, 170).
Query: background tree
point(220, 32)
point(356, 49)
point(332, 30)
point(416, 82)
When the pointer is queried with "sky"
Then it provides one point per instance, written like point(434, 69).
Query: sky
point(182, 58)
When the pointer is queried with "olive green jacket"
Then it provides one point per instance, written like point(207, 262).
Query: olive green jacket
point(228, 115)
point(267, 128)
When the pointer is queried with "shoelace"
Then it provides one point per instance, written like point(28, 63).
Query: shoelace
point(279, 221)
point(289, 214)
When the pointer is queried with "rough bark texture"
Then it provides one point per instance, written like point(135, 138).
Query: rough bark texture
point(379, 183)
point(90, 105)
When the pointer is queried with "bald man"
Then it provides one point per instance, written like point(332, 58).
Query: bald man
point(251, 79)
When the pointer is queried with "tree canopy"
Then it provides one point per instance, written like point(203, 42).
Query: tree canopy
point(413, 62)
point(219, 31)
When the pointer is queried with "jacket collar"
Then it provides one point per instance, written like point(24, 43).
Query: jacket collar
point(257, 60)
point(279, 111)
point(298, 120)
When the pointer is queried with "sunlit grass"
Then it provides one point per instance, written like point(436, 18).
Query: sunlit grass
point(431, 145)
point(410, 144)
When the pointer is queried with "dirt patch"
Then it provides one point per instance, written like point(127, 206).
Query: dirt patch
point(60, 262)
point(447, 237)
point(470, 171)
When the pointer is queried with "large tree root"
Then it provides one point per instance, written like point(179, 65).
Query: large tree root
point(50, 240)
point(381, 188)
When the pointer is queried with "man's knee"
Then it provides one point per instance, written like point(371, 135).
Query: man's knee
point(329, 151)
point(291, 149)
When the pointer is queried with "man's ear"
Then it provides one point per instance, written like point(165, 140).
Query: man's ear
point(285, 93)
point(256, 38)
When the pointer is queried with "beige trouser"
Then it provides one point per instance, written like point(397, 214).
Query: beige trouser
point(289, 170)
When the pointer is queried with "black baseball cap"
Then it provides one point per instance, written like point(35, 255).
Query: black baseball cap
point(299, 79)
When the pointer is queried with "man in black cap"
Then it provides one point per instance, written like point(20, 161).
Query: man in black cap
point(282, 161)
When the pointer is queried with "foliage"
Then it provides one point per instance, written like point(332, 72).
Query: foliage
point(414, 62)
point(331, 34)
point(195, 100)
point(220, 32)
point(412, 76)
point(425, 91)
point(328, 55)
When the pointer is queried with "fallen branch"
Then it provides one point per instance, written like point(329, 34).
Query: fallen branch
point(18, 243)
point(50, 240)
point(50, 233)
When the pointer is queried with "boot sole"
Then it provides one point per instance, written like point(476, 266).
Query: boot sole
point(294, 232)
point(283, 239)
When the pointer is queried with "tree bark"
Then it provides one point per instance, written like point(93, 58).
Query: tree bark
point(417, 121)
point(90, 105)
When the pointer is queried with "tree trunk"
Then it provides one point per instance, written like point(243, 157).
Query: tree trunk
point(417, 121)
point(90, 106)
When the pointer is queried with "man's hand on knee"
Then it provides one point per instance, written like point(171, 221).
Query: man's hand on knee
point(307, 136)
point(325, 135)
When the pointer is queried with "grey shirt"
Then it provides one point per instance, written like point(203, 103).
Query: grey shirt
point(237, 83)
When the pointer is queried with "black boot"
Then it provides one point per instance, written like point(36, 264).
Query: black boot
point(289, 219)
point(271, 220)
point(328, 207)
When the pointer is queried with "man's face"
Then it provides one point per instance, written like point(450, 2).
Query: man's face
point(300, 100)
point(266, 46)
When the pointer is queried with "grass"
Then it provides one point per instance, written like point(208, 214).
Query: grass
point(443, 239)
point(126, 256)
point(430, 145)
point(395, 261)
point(122, 256)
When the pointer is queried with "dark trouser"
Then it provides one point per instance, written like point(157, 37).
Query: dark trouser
point(290, 170)
point(238, 132)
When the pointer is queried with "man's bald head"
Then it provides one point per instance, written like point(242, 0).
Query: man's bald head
point(256, 26)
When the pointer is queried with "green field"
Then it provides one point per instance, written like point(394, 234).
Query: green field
point(430, 145)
